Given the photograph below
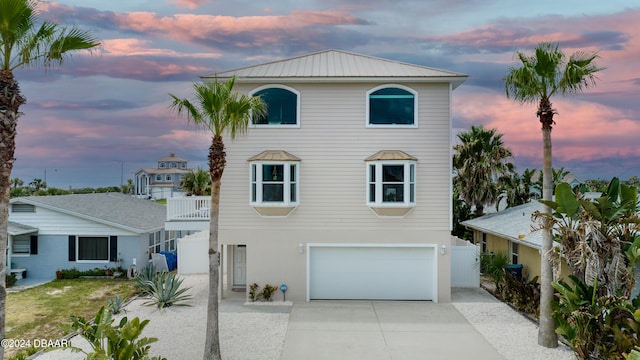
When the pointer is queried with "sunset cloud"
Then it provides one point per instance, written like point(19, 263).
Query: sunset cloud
point(97, 110)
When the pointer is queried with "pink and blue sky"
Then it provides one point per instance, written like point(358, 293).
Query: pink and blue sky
point(105, 115)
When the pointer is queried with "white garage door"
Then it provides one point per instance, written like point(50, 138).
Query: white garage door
point(371, 272)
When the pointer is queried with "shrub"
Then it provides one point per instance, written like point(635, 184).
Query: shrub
point(523, 294)
point(11, 280)
point(113, 342)
point(494, 264)
point(253, 292)
point(267, 292)
point(597, 327)
point(72, 273)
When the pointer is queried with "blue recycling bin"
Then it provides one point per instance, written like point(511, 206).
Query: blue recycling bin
point(172, 259)
point(515, 270)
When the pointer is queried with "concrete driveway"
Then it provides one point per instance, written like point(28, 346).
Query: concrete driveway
point(371, 330)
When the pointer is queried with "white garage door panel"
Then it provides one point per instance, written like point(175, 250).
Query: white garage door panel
point(373, 273)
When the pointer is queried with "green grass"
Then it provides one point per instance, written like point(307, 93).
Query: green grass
point(37, 313)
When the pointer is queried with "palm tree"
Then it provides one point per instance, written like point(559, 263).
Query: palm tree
point(217, 108)
point(24, 42)
point(512, 190)
point(129, 187)
point(16, 183)
point(557, 177)
point(479, 160)
point(539, 77)
point(197, 182)
point(37, 185)
point(527, 184)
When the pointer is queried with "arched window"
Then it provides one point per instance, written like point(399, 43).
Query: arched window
point(392, 106)
point(282, 106)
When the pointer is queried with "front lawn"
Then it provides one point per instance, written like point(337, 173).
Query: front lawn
point(37, 313)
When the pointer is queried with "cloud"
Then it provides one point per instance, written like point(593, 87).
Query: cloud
point(584, 131)
point(187, 4)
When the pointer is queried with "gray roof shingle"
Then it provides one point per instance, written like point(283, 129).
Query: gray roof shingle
point(15, 228)
point(513, 223)
point(109, 208)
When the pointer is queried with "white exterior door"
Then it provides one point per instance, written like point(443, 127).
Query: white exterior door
point(239, 266)
point(372, 272)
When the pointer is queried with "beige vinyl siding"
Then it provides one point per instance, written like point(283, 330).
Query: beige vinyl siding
point(333, 142)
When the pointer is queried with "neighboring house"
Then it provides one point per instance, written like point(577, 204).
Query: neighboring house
point(84, 231)
point(342, 191)
point(511, 231)
point(163, 181)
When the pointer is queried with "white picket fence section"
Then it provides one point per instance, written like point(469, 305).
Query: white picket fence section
point(465, 263)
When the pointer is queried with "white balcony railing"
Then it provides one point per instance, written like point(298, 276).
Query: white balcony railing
point(188, 208)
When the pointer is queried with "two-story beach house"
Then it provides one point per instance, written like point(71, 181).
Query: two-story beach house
point(343, 190)
point(163, 181)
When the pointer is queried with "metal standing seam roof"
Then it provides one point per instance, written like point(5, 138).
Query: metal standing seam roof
point(112, 209)
point(390, 155)
point(274, 155)
point(338, 64)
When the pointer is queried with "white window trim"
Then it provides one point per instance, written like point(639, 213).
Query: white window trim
point(286, 184)
point(378, 184)
point(396, 126)
point(22, 254)
point(512, 253)
point(92, 261)
point(278, 86)
point(157, 242)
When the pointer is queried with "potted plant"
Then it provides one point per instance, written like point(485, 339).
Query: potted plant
point(59, 274)
point(107, 271)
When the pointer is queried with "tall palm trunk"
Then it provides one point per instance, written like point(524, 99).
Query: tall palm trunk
point(10, 104)
point(547, 336)
point(217, 163)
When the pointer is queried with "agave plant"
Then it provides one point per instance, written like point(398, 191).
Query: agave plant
point(116, 305)
point(166, 291)
point(147, 274)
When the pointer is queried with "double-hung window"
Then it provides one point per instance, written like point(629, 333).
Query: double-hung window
point(283, 107)
point(274, 182)
point(392, 106)
point(391, 182)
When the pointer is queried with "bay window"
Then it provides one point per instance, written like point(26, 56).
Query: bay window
point(391, 182)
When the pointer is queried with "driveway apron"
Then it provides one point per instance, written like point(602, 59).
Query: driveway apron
point(385, 330)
